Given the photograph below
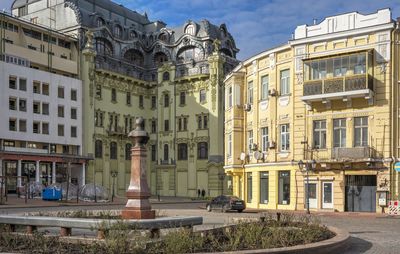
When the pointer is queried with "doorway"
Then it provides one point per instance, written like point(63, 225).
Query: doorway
point(312, 195)
point(360, 193)
point(327, 195)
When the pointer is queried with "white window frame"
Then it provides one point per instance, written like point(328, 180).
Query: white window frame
point(285, 82)
point(264, 139)
point(264, 87)
point(285, 137)
point(250, 92)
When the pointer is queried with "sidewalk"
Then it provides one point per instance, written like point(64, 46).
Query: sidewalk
point(15, 202)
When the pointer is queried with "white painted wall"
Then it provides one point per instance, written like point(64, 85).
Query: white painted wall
point(54, 82)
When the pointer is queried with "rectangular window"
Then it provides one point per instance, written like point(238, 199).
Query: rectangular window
point(73, 132)
point(36, 107)
point(22, 84)
point(22, 105)
point(264, 87)
point(166, 125)
point(153, 153)
point(284, 188)
point(230, 97)
point(182, 151)
point(250, 140)
point(203, 95)
point(319, 134)
point(60, 130)
point(285, 82)
point(141, 101)
point(45, 89)
point(74, 113)
point(285, 137)
point(12, 82)
point(229, 146)
point(128, 98)
point(45, 128)
point(264, 187)
point(74, 95)
point(199, 122)
point(360, 131)
point(185, 120)
point(12, 104)
point(153, 102)
point(205, 122)
point(60, 111)
point(339, 132)
point(45, 108)
point(22, 125)
point(36, 127)
point(60, 92)
point(153, 126)
point(264, 139)
point(113, 95)
point(249, 177)
point(36, 87)
point(182, 100)
point(12, 125)
point(250, 92)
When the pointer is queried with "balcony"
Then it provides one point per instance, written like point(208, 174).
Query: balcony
point(341, 154)
point(354, 86)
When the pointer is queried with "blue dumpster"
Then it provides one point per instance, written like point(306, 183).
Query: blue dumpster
point(51, 194)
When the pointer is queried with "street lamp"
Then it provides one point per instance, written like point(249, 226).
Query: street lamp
point(113, 175)
point(221, 177)
point(307, 164)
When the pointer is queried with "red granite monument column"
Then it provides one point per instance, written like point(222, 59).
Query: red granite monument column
point(138, 205)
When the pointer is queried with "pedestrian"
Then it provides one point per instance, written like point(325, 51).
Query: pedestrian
point(198, 193)
point(203, 193)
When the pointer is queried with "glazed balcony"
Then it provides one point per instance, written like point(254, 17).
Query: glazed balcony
point(338, 77)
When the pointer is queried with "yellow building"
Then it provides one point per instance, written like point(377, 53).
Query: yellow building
point(319, 109)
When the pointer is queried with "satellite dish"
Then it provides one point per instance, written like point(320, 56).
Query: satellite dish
point(242, 156)
point(258, 155)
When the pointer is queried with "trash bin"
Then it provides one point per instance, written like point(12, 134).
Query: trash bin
point(51, 194)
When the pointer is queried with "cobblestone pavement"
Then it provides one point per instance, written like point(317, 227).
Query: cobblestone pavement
point(370, 233)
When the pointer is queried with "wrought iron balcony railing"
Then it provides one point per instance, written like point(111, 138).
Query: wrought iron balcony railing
point(338, 85)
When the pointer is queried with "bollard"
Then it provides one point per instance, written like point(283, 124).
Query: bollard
point(278, 216)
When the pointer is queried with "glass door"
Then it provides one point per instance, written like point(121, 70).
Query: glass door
point(327, 195)
point(312, 195)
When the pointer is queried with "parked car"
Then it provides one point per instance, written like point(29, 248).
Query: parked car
point(226, 203)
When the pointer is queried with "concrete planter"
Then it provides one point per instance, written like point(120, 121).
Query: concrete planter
point(330, 246)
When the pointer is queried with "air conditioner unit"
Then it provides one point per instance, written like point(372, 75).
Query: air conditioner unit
point(247, 107)
point(272, 92)
point(271, 145)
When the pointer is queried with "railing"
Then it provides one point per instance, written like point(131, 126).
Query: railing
point(337, 85)
point(184, 71)
point(345, 153)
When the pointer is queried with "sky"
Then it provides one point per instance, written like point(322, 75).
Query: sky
point(256, 25)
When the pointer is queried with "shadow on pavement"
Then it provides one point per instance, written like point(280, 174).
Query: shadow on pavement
point(357, 246)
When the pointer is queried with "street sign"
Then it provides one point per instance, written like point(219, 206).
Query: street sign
point(397, 166)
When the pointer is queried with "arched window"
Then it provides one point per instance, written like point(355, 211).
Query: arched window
point(160, 58)
point(163, 37)
point(226, 52)
point(134, 56)
point(190, 29)
point(104, 47)
point(166, 155)
point(166, 100)
point(132, 34)
point(118, 31)
point(98, 149)
point(202, 151)
point(100, 22)
point(113, 151)
point(128, 148)
point(166, 76)
point(189, 53)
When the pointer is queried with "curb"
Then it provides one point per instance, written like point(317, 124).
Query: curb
point(330, 246)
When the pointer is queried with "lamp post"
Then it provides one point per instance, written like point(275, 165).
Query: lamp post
point(221, 177)
point(307, 164)
point(113, 175)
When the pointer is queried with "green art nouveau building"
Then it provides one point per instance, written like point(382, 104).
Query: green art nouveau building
point(132, 67)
